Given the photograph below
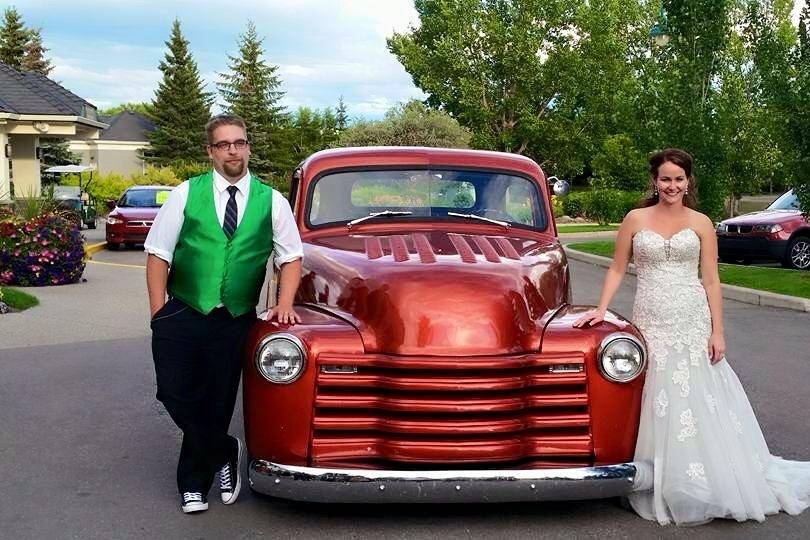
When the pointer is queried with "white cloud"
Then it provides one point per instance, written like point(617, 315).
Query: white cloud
point(106, 86)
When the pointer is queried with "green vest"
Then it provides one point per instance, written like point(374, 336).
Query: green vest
point(208, 269)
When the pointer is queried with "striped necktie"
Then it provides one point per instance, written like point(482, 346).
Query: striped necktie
point(229, 223)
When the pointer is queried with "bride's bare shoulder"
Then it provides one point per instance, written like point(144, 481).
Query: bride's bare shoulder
point(634, 219)
point(700, 222)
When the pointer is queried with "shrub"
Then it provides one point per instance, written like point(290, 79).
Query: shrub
point(608, 205)
point(556, 206)
point(183, 170)
point(45, 250)
point(572, 204)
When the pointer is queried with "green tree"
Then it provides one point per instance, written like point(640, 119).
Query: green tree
point(181, 106)
point(341, 115)
point(801, 121)
point(251, 90)
point(138, 107)
point(688, 68)
point(34, 59)
point(13, 37)
point(410, 124)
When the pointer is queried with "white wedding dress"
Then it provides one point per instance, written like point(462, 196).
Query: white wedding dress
point(702, 452)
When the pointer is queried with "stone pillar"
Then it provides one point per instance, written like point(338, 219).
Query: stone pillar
point(25, 165)
point(5, 178)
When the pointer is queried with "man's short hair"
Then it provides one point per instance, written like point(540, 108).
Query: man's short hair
point(222, 120)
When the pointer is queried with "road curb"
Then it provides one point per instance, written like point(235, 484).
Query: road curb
point(94, 248)
point(732, 292)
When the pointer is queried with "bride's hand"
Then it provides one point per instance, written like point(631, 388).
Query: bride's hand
point(592, 318)
point(717, 348)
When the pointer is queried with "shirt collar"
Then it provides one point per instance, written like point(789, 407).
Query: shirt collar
point(220, 184)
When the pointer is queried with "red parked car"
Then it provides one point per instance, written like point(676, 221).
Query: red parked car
point(437, 361)
point(779, 233)
point(131, 217)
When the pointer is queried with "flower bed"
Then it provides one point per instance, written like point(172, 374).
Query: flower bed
point(46, 250)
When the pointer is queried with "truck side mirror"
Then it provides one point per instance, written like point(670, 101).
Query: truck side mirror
point(559, 187)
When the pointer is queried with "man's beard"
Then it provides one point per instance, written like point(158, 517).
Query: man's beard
point(234, 170)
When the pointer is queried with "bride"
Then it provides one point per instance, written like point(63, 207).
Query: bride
point(701, 452)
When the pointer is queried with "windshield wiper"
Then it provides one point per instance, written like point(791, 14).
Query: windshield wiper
point(481, 218)
point(378, 214)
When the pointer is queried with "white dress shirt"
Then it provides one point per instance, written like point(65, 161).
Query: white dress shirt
point(165, 231)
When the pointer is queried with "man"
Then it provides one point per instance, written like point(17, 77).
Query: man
point(208, 249)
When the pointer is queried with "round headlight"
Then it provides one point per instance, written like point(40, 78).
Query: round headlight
point(280, 358)
point(621, 357)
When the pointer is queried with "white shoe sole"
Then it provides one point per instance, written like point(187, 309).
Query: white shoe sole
point(190, 508)
point(231, 497)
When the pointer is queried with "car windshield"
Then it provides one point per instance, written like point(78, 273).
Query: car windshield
point(414, 194)
point(144, 198)
point(69, 204)
point(788, 201)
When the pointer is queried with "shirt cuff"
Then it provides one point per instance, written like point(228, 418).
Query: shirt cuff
point(278, 261)
point(160, 253)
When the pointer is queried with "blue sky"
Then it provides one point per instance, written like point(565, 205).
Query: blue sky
point(108, 51)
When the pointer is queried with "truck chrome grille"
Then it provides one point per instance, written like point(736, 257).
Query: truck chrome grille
point(471, 412)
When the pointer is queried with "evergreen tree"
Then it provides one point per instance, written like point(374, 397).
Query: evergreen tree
point(341, 115)
point(181, 106)
point(34, 59)
point(13, 37)
point(251, 91)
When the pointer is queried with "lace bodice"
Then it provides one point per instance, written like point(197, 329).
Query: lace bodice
point(670, 306)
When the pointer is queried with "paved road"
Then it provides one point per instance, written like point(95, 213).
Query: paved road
point(87, 452)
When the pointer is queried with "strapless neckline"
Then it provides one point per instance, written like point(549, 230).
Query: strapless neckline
point(661, 236)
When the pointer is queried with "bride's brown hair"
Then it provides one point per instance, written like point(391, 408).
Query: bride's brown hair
point(677, 157)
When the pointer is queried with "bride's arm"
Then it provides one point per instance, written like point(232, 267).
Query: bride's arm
point(711, 282)
point(615, 274)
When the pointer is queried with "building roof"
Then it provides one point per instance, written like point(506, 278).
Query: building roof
point(26, 92)
point(127, 126)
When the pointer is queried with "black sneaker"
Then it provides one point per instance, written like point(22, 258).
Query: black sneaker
point(193, 501)
point(229, 480)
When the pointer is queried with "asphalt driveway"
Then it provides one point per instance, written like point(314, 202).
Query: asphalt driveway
point(88, 452)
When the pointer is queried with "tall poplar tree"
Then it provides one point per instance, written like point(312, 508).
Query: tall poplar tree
point(251, 90)
point(34, 59)
point(181, 106)
point(13, 37)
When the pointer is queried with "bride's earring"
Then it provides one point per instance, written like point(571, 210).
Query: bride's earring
point(686, 191)
point(655, 190)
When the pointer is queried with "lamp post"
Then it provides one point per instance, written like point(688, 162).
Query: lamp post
point(660, 31)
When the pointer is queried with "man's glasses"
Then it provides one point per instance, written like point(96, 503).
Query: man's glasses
point(224, 146)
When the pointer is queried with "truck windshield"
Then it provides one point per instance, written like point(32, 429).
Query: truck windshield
point(345, 196)
point(144, 198)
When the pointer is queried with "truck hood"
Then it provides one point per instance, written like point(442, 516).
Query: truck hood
point(437, 292)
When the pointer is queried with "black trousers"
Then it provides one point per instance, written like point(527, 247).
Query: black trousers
point(198, 363)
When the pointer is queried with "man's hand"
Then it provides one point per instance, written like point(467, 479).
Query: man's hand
point(283, 314)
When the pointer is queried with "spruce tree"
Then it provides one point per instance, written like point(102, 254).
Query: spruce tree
point(341, 115)
point(34, 59)
point(251, 91)
point(181, 106)
point(13, 37)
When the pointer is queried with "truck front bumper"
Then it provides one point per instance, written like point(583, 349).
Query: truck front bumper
point(446, 486)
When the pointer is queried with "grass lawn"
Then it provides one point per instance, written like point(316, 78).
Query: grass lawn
point(574, 228)
point(776, 280)
point(17, 299)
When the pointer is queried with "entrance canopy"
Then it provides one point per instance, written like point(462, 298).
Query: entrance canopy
point(70, 168)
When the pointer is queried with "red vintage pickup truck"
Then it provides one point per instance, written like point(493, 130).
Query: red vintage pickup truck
point(437, 361)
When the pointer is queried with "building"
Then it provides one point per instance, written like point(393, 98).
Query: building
point(33, 106)
point(119, 148)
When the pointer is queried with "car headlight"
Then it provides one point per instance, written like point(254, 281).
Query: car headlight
point(621, 357)
point(722, 227)
point(280, 358)
point(112, 220)
point(767, 228)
